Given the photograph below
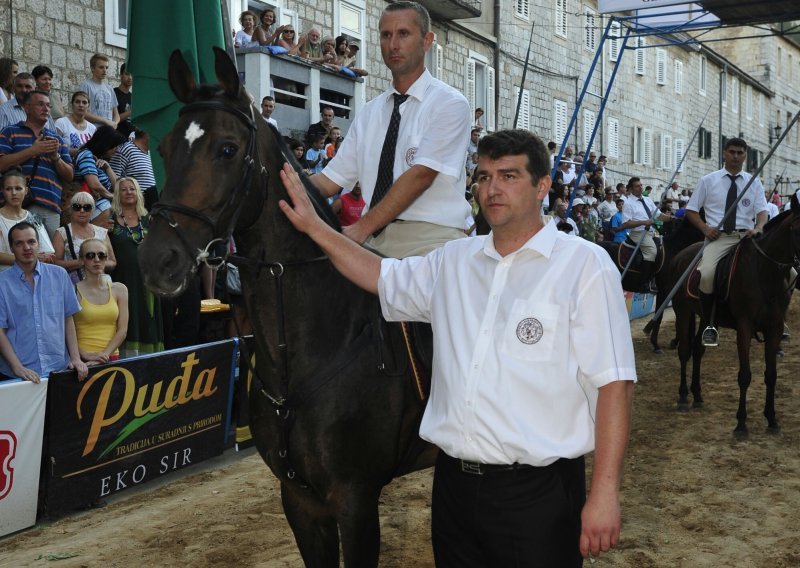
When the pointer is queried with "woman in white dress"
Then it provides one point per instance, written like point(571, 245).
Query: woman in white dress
point(74, 128)
point(67, 239)
point(14, 190)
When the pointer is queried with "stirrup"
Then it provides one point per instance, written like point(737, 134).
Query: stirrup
point(786, 335)
point(710, 337)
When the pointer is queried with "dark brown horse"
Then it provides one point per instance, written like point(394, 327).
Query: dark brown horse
point(682, 235)
point(760, 290)
point(332, 409)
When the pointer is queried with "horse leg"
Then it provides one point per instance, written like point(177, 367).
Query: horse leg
point(684, 327)
point(360, 528)
point(771, 347)
point(654, 336)
point(743, 337)
point(698, 350)
point(315, 530)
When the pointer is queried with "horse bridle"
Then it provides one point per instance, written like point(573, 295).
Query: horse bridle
point(236, 198)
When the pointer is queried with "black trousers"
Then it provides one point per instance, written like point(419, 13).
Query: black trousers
point(524, 517)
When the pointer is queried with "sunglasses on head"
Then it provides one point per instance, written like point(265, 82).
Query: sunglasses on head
point(99, 255)
point(82, 207)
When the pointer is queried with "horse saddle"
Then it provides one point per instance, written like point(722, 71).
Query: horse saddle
point(407, 346)
point(625, 251)
point(726, 267)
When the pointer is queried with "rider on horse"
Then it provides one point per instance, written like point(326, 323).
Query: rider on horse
point(716, 193)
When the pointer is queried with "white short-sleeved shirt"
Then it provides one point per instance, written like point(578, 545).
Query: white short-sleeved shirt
point(711, 193)
point(635, 211)
point(102, 98)
point(434, 132)
point(521, 343)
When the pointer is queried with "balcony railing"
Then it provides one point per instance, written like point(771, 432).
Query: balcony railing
point(300, 89)
point(452, 9)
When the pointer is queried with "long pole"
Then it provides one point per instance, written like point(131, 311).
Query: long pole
point(731, 211)
point(524, 73)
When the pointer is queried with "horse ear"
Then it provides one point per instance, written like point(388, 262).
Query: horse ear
point(181, 78)
point(796, 203)
point(227, 75)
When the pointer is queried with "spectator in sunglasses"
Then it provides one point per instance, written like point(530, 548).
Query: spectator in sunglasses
point(68, 239)
point(102, 323)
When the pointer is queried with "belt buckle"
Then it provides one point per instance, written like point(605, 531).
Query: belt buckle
point(472, 468)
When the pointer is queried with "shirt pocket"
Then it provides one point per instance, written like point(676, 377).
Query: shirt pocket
point(531, 330)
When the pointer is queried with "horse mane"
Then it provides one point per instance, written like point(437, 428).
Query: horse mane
point(777, 220)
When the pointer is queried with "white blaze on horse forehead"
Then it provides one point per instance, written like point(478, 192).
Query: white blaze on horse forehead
point(193, 133)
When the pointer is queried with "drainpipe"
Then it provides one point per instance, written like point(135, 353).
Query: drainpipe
point(496, 63)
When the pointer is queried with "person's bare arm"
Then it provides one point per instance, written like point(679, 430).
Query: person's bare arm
point(120, 293)
point(75, 361)
point(96, 119)
point(761, 220)
point(601, 519)
point(711, 233)
point(324, 184)
point(405, 190)
point(356, 263)
point(8, 353)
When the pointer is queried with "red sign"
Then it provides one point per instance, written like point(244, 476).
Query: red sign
point(8, 449)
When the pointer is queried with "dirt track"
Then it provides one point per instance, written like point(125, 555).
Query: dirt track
point(692, 494)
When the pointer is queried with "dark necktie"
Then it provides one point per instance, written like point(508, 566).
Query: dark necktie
point(646, 210)
point(386, 163)
point(730, 221)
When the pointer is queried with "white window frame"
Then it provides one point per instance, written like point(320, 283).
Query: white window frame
point(522, 9)
point(613, 138)
point(589, 29)
point(434, 58)
point(642, 146)
point(680, 149)
point(560, 27)
point(589, 119)
point(661, 66)
point(665, 152)
point(678, 77)
point(560, 120)
point(524, 118)
point(647, 158)
point(735, 94)
point(748, 102)
point(115, 34)
point(703, 79)
point(614, 41)
point(640, 67)
point(761, 109)
point(479, 78)
point(724, 89)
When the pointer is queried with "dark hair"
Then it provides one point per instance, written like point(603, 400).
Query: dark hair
point(474, 130)
point(13, 171)
point(97, 57)
point(40, 70)
point(123, 69)
point(294, 143)
point(620, 185)
point(632, 181)
point(23, 100)
point(515, 143)
point(551, 145)
point(104, 138)
point(339, 41)
point(22, 225)
point(24, 77)
point(268, 98)
point(423, 17)
point(6, 65)
point(738, 142)
point(139, 133)
point(79, 94)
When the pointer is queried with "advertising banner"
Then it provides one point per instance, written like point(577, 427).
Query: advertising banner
point(22, 406)
point(134, 420)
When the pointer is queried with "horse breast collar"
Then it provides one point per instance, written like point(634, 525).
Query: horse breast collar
point(236, 198)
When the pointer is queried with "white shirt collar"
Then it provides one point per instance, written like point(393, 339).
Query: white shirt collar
point(541, 243)
point(417, 89)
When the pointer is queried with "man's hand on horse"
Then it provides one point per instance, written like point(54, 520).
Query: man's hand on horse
point(301, 212)
point(711, 233)
point(755, 232)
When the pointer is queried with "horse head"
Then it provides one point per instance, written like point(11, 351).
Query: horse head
point(216, 175)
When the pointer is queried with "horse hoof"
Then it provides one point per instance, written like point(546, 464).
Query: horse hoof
point(741, 434)
point(658, 350)
point(780, 353)
point(697, 404)
point(683, 407)
point(774, 430)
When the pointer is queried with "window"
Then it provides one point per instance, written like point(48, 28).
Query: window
point(665, 154)
point(561, 18)
point(479, 87)
point(116, 20)
point(643, 146)
point(761, 109)
point(680, 148)
point(434, 58)
point(704, 144)
point(522, 9)
point(703, 75)
point(661, 66)
point(589, 29)
point(723, 85)
point(589, 118)
point(614, 41)
point(734, 94)
point(559, 120)
point(613, 138)
point(641, 60)
point(678, 77)
point(753, 159)
point(524, 118)
point(748, 102)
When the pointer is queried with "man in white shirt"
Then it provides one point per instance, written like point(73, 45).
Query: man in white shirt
point(607, 209)
point(716, 193)
point(267, 108)
point(638, 217)
point(516, 398)
point(415, 191)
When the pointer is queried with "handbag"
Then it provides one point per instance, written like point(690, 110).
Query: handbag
point(75, 275)
point(232, 282)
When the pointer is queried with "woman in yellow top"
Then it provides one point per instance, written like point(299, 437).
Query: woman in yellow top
point(102, 323)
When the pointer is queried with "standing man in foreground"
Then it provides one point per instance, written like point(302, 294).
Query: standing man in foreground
point(517, 399)
point(415, 188)
point(716, 193)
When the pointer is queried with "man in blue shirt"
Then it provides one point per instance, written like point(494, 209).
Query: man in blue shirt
point(37, 301)
point(620, 233)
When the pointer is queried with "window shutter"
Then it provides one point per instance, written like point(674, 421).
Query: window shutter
point(613, 138)
point(641, 59)
point(589, 118)
point(661, 67)
point(490, 110)
point(589, 30)
point(678, 77)
point(561, 18)
point(559, 120)
point(647, 158)
point(523, 121)
point(613, 41)
point(469, 85)
point(679, 150)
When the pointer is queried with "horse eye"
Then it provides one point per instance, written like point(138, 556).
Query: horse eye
point(229, 150)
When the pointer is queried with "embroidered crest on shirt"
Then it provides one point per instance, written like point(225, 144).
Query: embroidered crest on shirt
point(529, 331)
point(746, 202)
point(410, 153)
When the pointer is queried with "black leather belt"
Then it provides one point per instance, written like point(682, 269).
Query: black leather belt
point(735, 231)
point(476, 468)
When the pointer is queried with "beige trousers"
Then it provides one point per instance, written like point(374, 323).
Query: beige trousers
point(714, 251)
point(412, 238)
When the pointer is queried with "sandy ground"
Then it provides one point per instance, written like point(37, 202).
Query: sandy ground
point(692, 494)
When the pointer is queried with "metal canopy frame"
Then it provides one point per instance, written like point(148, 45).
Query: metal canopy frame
point(730, 14)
